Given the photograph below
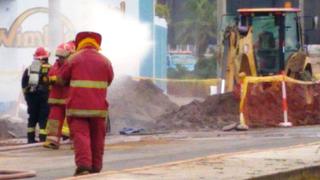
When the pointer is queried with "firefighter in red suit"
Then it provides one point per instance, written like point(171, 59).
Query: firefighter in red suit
point(57, 97)
point(88, 74)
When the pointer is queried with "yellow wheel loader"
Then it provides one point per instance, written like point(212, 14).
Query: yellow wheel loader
point(260, 42)
point(263, 42)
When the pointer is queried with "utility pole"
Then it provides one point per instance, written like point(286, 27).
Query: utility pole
point(55, 25)
point(221, 10)
point(301, 6)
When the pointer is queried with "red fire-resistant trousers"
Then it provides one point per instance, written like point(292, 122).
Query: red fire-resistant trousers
point(54, 124)
point(88, 138)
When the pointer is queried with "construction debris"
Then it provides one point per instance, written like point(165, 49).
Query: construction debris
point(230, 127)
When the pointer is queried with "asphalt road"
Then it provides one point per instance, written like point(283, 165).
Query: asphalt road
point(157, 149)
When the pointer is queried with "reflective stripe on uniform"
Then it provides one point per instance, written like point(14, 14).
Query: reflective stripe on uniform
point(89, 84)
point(86, 113)
point(31, 129)
point(43, 131)
point(45, 68)
point(46, 65)
point(56, 101)
point(52, 78)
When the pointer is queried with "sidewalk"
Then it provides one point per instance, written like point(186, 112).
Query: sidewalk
point(241, 165)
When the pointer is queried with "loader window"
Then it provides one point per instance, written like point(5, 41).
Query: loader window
point(266, 44)
point(292, 42)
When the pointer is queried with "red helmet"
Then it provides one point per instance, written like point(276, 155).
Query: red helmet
point(41, 53)
point(72, 45)
point(65, 49)
point(87, 34)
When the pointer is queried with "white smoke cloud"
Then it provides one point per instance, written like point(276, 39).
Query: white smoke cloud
point(125, 40)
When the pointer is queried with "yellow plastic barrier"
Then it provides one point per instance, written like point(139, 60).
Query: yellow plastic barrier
point(317, 76)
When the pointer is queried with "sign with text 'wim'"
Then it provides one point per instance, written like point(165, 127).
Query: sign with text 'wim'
point(24, 26)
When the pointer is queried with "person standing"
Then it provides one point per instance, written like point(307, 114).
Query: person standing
point(88, 74)
point(57, 98)
point(35, 86)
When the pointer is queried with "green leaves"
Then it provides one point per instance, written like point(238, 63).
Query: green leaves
point(205, 68)
point(163, 11)
point(199, 25)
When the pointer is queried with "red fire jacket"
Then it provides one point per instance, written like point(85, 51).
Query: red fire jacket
point(89, 74)
point(58, 92)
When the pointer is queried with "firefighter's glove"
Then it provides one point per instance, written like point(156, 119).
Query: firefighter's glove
point(52, 79)
point(25, 91)
point(45, 79)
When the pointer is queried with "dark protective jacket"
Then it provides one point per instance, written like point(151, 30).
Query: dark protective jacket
point(43, 85)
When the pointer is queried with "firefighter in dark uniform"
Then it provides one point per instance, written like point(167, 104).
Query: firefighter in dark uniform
point(35, 85)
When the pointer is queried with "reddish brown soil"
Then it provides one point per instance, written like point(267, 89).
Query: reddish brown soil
point(264, 105)
point(263, 108)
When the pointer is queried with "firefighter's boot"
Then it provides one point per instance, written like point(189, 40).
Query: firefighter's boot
point(50, 145)
point(81, 171)
point(64, 138)
point(42, 137)
point(31, 137)
point(94, 171)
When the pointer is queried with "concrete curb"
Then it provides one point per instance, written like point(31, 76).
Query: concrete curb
point(303, 173)
point(166, 167)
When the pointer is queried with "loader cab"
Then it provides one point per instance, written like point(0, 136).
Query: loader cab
point(276, 34)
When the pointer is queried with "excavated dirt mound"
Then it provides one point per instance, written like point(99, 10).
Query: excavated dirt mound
point(136, 104)
point(263, 106)
point(141, 104)
point(214, 113)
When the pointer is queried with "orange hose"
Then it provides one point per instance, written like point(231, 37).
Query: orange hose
point(15, 174)
point(24, 146)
